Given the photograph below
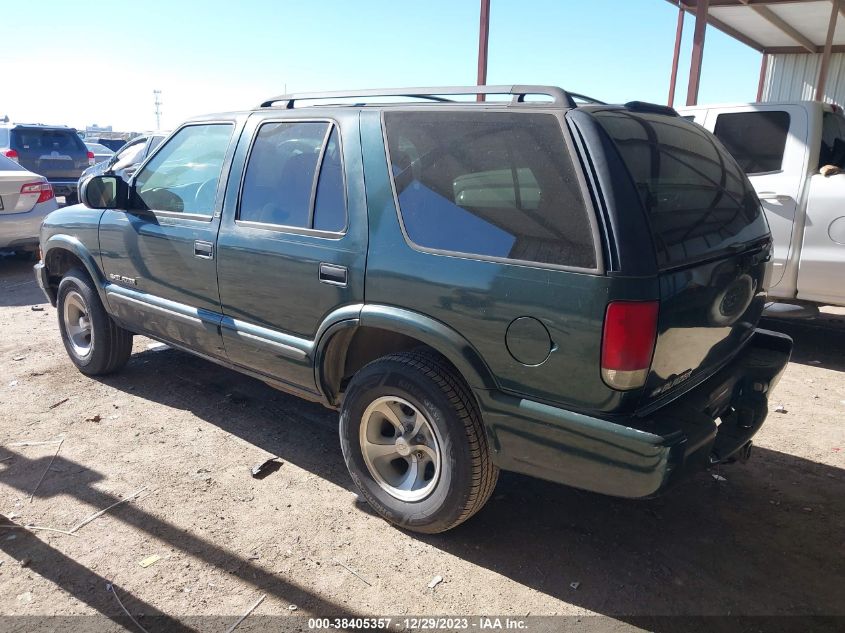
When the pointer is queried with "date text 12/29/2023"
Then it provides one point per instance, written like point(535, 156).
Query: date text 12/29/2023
point(418, 623)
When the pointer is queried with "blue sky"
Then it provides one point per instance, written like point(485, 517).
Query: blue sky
point(98, 62)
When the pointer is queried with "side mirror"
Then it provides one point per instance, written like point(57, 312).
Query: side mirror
point(104, 192)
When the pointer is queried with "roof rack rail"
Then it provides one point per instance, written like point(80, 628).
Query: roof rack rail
point(586, 99)
point(560, 98)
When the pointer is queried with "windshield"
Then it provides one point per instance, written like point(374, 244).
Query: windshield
point(699, 201)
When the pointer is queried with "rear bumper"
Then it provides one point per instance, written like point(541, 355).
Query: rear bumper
point(641, 457)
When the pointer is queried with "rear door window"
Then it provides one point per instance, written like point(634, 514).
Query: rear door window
point(496, 185)
point(698, 200)
point(755, 139)
point(280, 184)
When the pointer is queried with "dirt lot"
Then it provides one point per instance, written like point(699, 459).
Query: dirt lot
point(768, 540)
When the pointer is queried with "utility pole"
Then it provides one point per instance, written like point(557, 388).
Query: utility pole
point(157, 96)
point(483, 37)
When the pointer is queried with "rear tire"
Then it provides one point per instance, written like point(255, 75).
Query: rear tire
point(414, 443)
point(95, 343)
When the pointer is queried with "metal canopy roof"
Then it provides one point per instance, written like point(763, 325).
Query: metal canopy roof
point(775, 26)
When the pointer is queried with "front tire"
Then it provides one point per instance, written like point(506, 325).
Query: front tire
point(95, 343)
point(414, 443)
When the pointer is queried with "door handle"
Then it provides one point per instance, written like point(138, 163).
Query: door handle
point(332, 274)
point(203, 250)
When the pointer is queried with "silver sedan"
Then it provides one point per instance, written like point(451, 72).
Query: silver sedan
point(25, 199)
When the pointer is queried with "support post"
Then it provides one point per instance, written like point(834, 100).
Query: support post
point(701, 8)
point(483, 37)
point(828, 43)
point(679, 32)
point(763, 67)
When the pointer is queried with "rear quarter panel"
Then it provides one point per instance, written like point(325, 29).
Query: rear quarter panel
point(480, 299)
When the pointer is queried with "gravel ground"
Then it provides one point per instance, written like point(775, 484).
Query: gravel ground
point(767, 539)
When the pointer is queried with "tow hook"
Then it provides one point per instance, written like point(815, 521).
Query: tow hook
point(745, 452)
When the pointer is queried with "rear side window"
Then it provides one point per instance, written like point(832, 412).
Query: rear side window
point(280, 185)
point(755, 139)
point(489, 184)
point(4, 137)
point(832, 150)
point(47, 141)
point(698, 200)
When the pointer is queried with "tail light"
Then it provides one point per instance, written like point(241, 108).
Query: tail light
point(12, 155)
point(43, 189)
point(90, 158)
point(627, 346)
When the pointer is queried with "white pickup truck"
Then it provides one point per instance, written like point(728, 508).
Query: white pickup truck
point(782, 147)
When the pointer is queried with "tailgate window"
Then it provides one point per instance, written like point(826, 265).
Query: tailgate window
point(48, 141)
point(699, 201)
point(495, 185)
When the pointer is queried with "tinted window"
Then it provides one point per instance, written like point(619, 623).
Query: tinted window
point(832, 150)
point(330, 202)
point(183, 176)
point(4, 137)
point(495, 184)
point(47, 140)
point(279, 183)
point(755, 139)
point(698, 199)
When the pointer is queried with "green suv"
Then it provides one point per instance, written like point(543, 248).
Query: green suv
point(565, 290)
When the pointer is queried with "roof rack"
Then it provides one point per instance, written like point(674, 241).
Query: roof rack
point(560, 98)
point(586, 99)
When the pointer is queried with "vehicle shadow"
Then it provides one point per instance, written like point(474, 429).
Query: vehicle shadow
point(17, 283)
point(92, 589)
point(819, 341)
point(757, 543)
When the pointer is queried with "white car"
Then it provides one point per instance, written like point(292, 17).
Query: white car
point(794, 155)
point(25, 199)
point(101, 152)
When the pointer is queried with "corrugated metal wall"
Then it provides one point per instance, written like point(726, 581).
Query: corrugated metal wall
point(794, 77)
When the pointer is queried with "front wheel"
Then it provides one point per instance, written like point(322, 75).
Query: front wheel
point(95, 343)
point(413, 441)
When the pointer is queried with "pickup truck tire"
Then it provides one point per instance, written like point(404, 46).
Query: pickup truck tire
point(447, 474)
point(95, 343)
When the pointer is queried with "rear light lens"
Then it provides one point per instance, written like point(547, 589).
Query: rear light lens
point(90, 158)
point(12, 155)
point(43, 189)
point(627, 346)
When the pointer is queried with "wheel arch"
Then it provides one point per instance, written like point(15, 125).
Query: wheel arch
point(62, 252)
point(348, 345)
